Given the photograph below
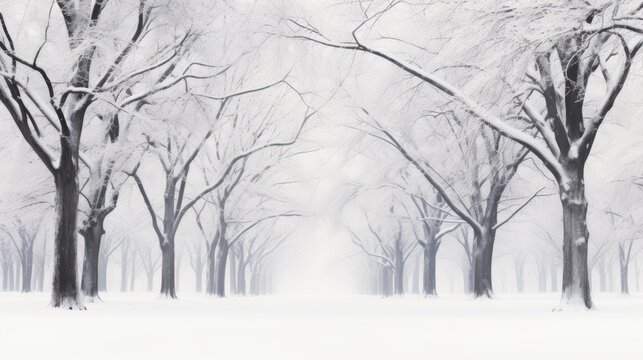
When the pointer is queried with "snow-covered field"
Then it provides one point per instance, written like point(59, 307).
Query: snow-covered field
point(138, 326)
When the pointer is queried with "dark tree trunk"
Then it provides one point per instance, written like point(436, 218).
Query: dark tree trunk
point(102, 272)
point(168, 288)
point(177, 274)
point(90, 282)
point(625, 289)
point(210, 278)
point(428, 280)
point(482, 259)
point(222, 258)
point(576, 290)
point(65, 283)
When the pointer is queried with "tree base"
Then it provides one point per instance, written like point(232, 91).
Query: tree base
point(573, 304)
point(67, 304)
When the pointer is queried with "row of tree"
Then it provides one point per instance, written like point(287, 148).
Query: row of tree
point(106, 92)
point(527, 82)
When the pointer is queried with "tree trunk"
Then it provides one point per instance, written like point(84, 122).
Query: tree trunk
point(467, 277)
point(398, 280)
point(210, 278)
point(27, 269)
point(428, 280)
point(89, 283)
point(41, 277)
point(132, 277)
point(520, 284)
point(102, 272)
point(482, 258)
point(5, 277)
point(415, 281)
point(10, 278)
point(124, 261)
point(168, 288)
point(625, 289)
point(241, 273)
point(232, 256)
point(576, 289)
point(198, 272)
point(385, 281)
point(177, 274)
point(241, 280)
point(222, 258)
point(16, 276)
point(65, 283)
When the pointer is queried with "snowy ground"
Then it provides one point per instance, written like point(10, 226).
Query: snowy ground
point(140, 327)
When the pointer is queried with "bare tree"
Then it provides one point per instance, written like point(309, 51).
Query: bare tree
point(92, 77)
point(24, 244)
point(603, 41)
point(390, 250)
point(7, 257)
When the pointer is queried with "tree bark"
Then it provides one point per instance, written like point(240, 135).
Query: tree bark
point(65, 283)
point(222, 258)
point(90, 282)
point(482, 259)
point(625, 289)
point(398, 273)
point(102, 272)
point(27, 266)
point(167, 270)
point(210, 279)
point(428, 280)
point(576, 289)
